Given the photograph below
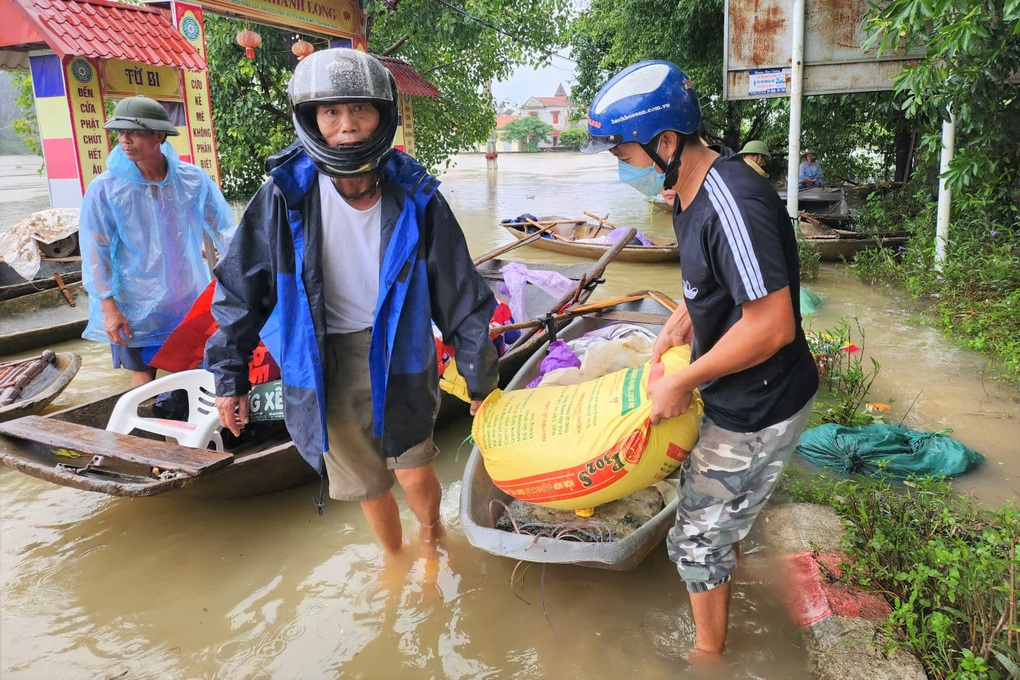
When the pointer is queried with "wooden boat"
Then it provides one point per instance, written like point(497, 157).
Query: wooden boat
point(660, 203)
point(538, 302)
point(12, 285)
point(847, 244)
point(482, 503)
point(579, 237)
point(825, 205)
point(835, 245)
point(43, 387)
point(71, 448)
point(42, 318)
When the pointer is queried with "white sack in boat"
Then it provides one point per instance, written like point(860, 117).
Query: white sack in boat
point(19, 247)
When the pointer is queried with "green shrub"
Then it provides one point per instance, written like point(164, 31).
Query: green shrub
point(947, 568)
point(973, 296)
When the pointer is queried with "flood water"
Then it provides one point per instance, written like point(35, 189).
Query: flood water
point(102, 587)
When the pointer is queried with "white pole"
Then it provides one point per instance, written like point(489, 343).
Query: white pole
point(945, 194)
point(796, 97)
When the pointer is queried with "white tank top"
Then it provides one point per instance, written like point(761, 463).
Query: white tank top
point(350, 260)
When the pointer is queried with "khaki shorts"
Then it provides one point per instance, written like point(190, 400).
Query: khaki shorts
point(356, 469)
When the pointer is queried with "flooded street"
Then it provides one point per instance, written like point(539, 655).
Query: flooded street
point(101, 587)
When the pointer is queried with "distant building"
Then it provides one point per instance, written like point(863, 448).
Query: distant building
point(554, 110)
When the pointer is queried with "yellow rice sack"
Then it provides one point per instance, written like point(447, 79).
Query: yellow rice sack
point(579, 446)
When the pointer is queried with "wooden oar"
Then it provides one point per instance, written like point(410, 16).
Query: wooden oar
point(542, 222)
point(63, 289)
point(516, 244)
point(601, 220)
point(593, 275)
point(589, 308)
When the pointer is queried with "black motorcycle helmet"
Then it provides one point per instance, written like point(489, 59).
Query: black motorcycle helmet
point(341, 76)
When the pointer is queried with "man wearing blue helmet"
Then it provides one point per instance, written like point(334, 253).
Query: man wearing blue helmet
point(741, 313)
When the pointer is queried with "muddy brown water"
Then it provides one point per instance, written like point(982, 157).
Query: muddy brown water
point(100, 587)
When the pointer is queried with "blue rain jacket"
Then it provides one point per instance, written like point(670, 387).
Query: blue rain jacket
point(141, 243)
point(269, 284)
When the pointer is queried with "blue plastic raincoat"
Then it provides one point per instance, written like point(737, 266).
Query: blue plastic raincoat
point(141, 243)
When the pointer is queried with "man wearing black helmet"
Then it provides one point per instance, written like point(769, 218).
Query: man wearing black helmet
point(342, 260)
point(740, 312)
point(141, 231)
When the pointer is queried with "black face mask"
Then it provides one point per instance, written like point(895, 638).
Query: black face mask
point(671, 169)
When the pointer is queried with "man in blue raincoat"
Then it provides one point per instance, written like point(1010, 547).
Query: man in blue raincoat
point(141, 232)
point(348, 253)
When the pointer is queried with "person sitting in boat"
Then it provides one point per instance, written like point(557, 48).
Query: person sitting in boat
point(756, 153)
point(810, 171)
point(741, 313)
point(349, 250)
point(141, 231)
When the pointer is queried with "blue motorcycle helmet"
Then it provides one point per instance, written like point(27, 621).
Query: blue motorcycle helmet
point(640, 103)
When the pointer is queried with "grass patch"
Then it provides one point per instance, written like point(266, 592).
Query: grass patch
point(975, 295)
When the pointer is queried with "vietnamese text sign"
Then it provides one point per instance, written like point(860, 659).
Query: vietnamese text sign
point(91, 142)
point(197, 102)
point(340, 18)
point(759, 39)
point(124, 78)
point(768, 81)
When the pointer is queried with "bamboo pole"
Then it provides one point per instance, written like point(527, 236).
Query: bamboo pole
point(588, 308)
point(601, 220)
point(516, 244)
point(593, 275)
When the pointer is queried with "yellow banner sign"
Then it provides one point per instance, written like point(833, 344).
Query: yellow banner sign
point(337, 18)
point(196, 94)
point(125, 78)
point(203, 143)
point(87, 118)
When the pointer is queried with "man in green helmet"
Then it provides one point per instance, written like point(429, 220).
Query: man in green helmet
point(141, 233)
point(755, 153)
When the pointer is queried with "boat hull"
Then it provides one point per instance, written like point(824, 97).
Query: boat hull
point(563, 242)
point(481, 500)
point(42, 318)
point(257, 469)
point(44, 388)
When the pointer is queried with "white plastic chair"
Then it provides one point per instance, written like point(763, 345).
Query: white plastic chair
point(198, 432)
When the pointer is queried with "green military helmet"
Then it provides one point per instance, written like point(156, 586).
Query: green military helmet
point(141, 113)
point(756, 146)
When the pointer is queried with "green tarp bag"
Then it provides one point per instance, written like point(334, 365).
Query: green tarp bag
point(890, 450)
point(809, 302)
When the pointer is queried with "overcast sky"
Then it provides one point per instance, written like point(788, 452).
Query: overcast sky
point(529, 82)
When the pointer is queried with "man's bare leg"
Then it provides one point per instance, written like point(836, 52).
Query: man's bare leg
point(423, 496)
point(383, 517)
point(711, 611)
point(139, 378)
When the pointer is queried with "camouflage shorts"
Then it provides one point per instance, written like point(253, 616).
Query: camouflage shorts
point(726, 481)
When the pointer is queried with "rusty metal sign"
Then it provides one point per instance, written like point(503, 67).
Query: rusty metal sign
point(759, 40)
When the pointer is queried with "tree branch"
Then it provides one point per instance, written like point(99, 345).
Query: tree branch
point(275, 112)
point(395, 46)
point(449, 63)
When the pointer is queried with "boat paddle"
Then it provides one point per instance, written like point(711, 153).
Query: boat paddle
point(589, 308)
point(516, 244)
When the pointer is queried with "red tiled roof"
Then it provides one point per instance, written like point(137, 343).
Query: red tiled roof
point(501, 121)
point(552, 101)
point(109, 30)
point(408, 80)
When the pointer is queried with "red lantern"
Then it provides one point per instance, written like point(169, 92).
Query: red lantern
point(302, 48)
point(249, 40)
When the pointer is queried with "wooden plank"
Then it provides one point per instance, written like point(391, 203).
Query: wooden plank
point(91, 441)
point(635, 317)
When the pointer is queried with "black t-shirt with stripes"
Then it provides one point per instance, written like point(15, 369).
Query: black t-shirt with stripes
point(736, 245)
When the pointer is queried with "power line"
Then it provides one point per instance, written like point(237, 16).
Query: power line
point(463, 13)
